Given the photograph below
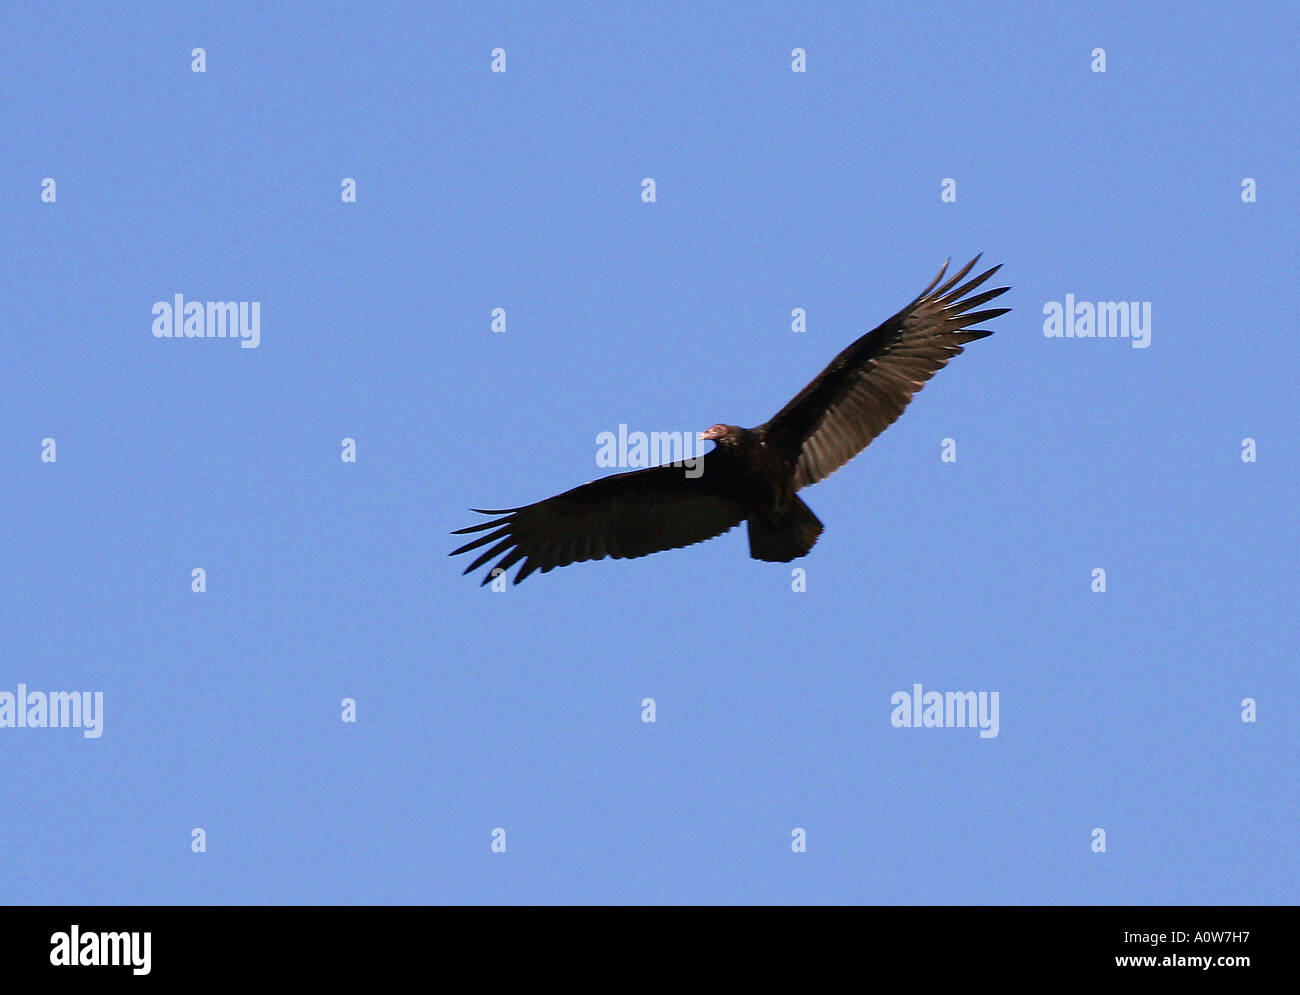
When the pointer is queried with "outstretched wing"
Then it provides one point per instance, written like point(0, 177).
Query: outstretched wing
point(623, 516)
point(867, 386)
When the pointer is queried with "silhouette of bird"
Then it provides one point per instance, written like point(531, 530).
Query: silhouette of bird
point(753, 474)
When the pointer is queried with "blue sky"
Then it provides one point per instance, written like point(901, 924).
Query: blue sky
point(521, 710)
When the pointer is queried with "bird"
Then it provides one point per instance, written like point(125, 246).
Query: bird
point(751, 475)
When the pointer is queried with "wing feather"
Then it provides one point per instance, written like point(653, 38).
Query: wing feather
point(623, 516)
point(866, 387)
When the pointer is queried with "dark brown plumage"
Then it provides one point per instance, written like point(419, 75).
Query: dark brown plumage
point(753, 474)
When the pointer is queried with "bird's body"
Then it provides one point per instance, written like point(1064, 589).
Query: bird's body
point(759, 475)
point(752, 475)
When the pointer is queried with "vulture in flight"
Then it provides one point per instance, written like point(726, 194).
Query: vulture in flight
point(752, 474)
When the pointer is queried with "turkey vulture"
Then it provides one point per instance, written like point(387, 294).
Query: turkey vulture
point(752, 474)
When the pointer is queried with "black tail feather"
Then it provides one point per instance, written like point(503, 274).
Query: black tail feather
point(787, 540)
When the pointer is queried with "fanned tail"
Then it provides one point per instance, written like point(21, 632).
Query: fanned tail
point(789, 539)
